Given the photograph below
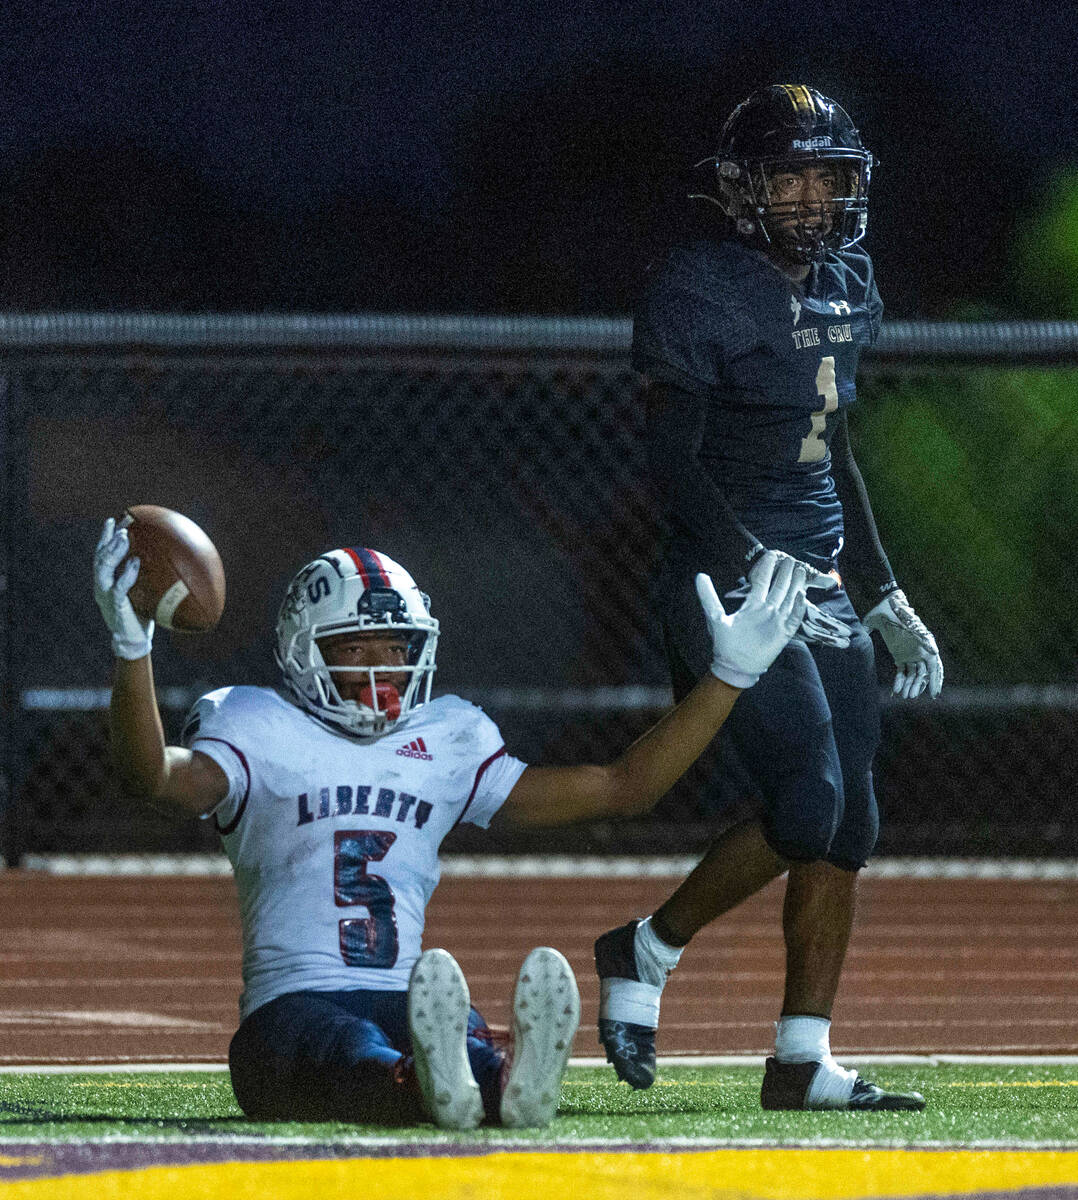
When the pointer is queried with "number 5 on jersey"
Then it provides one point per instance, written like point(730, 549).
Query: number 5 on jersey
point(369, 941)
point(813, 447)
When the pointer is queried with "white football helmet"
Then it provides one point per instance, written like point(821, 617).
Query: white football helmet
point(346, 591)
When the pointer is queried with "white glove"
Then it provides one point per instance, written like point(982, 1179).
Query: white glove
point(911, 645)
point(131, 635)
point(824, 629)
point(816, 578)
point(817, 626)
point(747, 642)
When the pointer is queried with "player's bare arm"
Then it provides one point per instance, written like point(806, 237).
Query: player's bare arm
point(744, 645)
point(146, 765)
point(633, 783)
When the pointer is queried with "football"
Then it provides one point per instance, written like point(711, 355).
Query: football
point(181, 579)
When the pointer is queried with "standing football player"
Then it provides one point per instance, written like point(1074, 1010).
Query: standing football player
point(748, 334)
point(332, 797)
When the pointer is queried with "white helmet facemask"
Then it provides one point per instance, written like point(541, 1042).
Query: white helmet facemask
point(355, 590)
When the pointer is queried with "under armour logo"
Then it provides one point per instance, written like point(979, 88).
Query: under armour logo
point(795, 308)
point(840, 307)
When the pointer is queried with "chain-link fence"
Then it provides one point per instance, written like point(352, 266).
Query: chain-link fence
point(503, 464)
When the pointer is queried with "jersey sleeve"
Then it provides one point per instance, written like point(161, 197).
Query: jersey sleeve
point(211, 729)
point(685, 326)
point(496, 773)
point(874, 304)
point(860, 283)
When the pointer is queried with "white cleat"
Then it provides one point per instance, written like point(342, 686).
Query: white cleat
point(546, 1012)
point(438, 1007)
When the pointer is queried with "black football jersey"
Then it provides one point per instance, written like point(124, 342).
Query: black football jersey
point(775, 362)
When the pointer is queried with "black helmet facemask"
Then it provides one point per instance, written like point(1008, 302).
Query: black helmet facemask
point(790, 127)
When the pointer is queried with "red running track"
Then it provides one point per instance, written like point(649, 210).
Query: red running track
point(146, 969)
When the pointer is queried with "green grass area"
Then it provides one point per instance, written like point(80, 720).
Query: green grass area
point(968, 1105)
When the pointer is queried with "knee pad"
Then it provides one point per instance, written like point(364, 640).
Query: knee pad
point(855, 838)
point(802, 827)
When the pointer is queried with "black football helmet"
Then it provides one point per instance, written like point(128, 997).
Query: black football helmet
point(791, 126)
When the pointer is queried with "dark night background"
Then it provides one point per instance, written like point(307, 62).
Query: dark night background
point(508, 157)
point(518, 158)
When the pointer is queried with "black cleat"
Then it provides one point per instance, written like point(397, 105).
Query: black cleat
point(630, 1048)
point(867, 1097)
point(615, 953)
point(786, 1085)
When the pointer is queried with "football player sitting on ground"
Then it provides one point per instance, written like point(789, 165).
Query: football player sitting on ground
point(332, 797)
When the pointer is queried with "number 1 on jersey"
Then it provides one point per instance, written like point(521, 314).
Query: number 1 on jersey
point(369, 941)
point(813, 447)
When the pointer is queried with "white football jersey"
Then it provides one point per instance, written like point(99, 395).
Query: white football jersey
point(334, 840)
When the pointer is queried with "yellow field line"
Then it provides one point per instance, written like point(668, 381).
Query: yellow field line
point(773, 1174)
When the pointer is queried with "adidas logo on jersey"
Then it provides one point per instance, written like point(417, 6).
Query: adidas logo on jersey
point(416, 749)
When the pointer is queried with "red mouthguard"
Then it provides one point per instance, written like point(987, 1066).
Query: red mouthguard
point(389, 700)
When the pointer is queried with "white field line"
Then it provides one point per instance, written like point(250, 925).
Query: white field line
point(560, 866)
point(124, 1019)
point(496, 1144)
point(1030, 980)
point(671, 1060)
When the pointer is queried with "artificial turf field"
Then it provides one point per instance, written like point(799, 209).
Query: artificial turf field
point(988, 1129)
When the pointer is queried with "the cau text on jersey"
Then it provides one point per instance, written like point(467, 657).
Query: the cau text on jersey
point(805, 338)
point(344, 800)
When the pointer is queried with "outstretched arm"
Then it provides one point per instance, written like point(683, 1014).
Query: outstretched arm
point(744, 644)
point(147, 766)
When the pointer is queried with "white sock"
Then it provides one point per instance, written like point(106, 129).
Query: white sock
point(655, 959)
point(831, 1086)
point(803, 1039)
point(638, 1002)
point(808, 1039)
